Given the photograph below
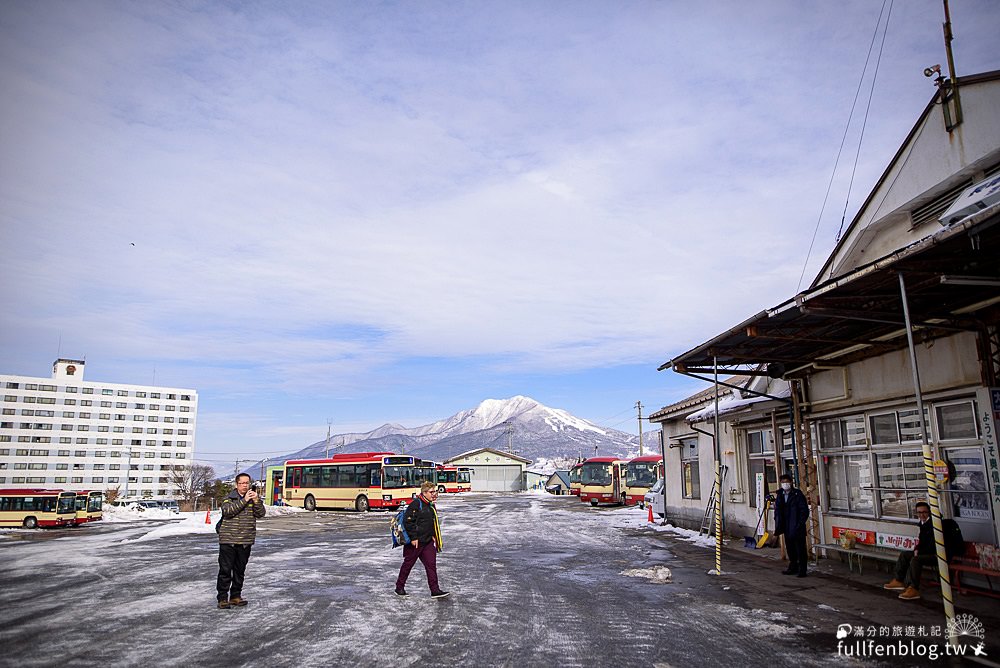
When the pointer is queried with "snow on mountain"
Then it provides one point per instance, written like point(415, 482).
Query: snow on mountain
point(531, 429)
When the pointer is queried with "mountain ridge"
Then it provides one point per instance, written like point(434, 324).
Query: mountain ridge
point(532, 430)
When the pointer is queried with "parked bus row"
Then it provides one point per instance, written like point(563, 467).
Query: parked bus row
point(610, 480)
point(359, 480)
point(31, 508)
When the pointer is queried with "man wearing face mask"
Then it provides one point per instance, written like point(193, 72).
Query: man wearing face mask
point(790, 514)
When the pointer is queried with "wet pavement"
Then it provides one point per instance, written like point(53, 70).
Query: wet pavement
point(535, 580)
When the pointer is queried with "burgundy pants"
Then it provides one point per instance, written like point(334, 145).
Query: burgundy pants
point(427, 554)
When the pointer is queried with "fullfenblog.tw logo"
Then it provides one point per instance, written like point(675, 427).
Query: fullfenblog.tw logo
point(963, 636)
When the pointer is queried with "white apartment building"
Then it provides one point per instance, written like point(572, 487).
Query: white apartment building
point(66, 433)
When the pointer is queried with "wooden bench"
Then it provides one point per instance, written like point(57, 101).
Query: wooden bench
point(857, 554)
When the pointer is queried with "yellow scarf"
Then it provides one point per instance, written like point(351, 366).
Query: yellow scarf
point(437, 529)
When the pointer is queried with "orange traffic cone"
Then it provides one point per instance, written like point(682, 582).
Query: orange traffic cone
point(650, 508)
point(208, 517)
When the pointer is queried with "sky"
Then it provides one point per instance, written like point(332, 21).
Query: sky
point(351, 213)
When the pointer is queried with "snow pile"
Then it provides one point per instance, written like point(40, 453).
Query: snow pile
point(191, 523)
point(760, 623)
point(638, 518)
point(657, 574)
point(134, 513)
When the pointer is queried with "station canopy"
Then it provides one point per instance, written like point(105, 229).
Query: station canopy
point(952, 281)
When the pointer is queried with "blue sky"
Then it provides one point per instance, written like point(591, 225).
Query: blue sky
point(388, 212)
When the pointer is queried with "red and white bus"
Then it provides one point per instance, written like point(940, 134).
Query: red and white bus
point(454, 479)
point(359, 480)
point(89, 506)
point(424, 470)
point(641, 474)
point(574, 478)
point(602, 480)
point(30, 508)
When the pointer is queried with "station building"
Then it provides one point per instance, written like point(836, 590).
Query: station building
point(823, 385)
point(68, 433)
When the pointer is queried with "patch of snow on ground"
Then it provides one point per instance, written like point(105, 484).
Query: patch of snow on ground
point(658, 574)
point(638, 518)
point(760, 623)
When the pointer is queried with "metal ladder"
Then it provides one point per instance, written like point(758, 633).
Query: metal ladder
point(708, 521)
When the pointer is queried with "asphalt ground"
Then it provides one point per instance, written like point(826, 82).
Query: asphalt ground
point(535, 580)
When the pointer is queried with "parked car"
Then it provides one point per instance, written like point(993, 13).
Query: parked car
point(140, 504)
point(170, 505)
point(654, 498)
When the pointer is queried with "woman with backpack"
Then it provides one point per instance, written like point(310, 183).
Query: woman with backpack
point(424, 531)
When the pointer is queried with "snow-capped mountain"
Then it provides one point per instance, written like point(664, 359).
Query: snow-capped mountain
point(533, 430)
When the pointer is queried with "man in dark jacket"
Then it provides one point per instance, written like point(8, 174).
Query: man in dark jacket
point(910, 563)
point(790, 514)
point(237, 533)
point(422, 526)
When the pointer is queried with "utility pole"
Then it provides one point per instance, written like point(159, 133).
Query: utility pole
point(638, 405)
point(510, 436)
point(328, 439)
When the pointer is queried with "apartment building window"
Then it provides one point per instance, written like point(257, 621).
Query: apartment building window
point(86, 402)
point(140, 407)
point(116, 453)
point(185, 397)
point(112, 480)
point(65, 439)
point(147, 481)
point(118, 430)
point(82, 427)
point(27, 412)
point(171, 396)
point(48, 388)
point(97, 478)
point(168, 419)
point(169, 408)
point(136, 430)
point(105, 416)
point(185, 409)
point(182, 432)
point(20, 466)
point(154, 407)
point(107, 392)
point(181, 455)
point(140, 395)
point(121, 404)
point(103, 428)
point(168, 443)
point(136, 441)
point(183, 420)
point(4, 439)
point(60, 479)
point(85, 416)
point(17, 479)
point(62, 467)
point(98, 467)
point(154, 395)
point(153, 418)
point(35, 480)
point(101, 453)
point(102, 441)
point(138, 418)
point(66, 427)
point(105, 404)
point(150, 430)
point(690, 471)
point(38, 453)
point(29, 400)
point(30, 386)
point(9, 397)
point(12, 386)
point(64, 453)
point(114, 467)
point(116, 441)
point(69, 402)
point(119, 416)
point(68, 414)
point(8, 411)
point(70, 389)
point(76, 480)
point(37, 467)
point(122, 393)
point(149, 455)
point(88, 390)
point(147, 467)
point(46, 400)
point(181, 444)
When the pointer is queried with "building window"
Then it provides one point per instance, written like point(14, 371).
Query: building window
point(690, 472)
point(97, 478)
point(122, 393)
point(60, 479)
point(76, 480)
point(107, 392)
point(957, 421)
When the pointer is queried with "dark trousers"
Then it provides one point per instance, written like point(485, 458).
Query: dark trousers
point(232, 570)
point(910, 566)
point(798, 555)
point(427, 554)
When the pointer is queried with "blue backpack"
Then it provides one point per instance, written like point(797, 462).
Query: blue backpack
point(397, 528)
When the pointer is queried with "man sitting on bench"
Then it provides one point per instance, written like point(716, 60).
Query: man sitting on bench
point(910, 565)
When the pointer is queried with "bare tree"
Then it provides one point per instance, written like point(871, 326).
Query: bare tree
point(190, 482)
point(112, 493)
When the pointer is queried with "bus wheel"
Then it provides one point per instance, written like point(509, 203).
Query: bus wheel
point(440, 489)
point(310, 503)
point(361, 504)
point(593, 502)
point(30, 523)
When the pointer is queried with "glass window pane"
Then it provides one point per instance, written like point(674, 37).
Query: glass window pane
point(859, 481)
point(956, 421)
point(909, 425)
point(913, 470)
point(829, 435)
point(884, 430)
point(836, 483)
point(854, 431)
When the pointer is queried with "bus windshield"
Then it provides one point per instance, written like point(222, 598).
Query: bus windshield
point(397, 476)
point(463, 476)
point(574, 474)
point(67, 504)
point(641, 474)
point(596, 474)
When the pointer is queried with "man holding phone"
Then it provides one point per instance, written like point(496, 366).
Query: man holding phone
point(237, 532)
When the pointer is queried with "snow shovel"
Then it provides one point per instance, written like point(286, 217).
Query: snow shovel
point(765, 537)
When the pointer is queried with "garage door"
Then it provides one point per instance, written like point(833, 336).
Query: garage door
point(496, 478)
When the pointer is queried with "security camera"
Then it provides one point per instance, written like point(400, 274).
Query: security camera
point(931, 71)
